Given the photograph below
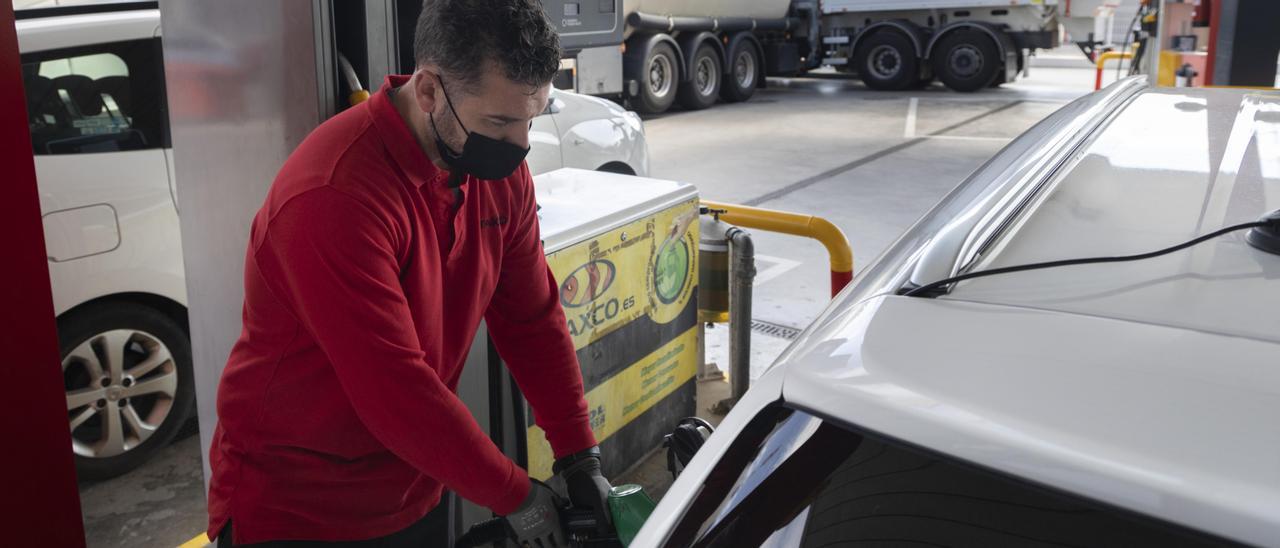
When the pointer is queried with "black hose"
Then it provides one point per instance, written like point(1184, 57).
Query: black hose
point(684, 442)
point(1129, 34)
point(483, 534)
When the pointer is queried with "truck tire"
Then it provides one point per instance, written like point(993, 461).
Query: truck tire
point(887, 61)
point(966, 60)
point(1001, 78)
point(705, 74)
point(744, 71)
point(659, 78)
point(127, 373)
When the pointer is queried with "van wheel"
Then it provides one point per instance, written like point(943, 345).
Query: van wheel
point(127, 373)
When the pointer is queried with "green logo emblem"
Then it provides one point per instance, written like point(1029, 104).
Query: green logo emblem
point(671, 270)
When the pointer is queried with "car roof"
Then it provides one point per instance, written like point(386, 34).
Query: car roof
point(1172, 164)
point(75, 28)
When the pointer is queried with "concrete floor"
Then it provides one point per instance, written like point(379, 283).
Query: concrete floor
point(872, 162)
point(159, 504)
point(832, 148)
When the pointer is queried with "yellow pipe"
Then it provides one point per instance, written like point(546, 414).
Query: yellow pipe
point(809, 226)
point(1102, 60)
point(358, 96)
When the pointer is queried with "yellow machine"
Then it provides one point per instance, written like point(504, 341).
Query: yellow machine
point(625, 252)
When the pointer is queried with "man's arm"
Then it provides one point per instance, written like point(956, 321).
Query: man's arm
point(530, 332)
point(332, 260)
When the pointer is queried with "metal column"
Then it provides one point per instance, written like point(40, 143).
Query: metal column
point(242, 96)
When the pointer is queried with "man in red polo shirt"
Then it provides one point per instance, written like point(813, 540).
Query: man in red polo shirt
point(391, 231)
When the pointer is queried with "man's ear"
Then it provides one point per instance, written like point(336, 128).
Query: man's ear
point(426, 89)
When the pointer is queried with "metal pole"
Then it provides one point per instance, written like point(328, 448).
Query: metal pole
point(742, 274)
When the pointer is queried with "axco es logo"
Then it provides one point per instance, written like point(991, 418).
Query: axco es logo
point(581, 292)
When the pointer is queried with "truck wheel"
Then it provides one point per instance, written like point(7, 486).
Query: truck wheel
point(658, 79)
point(127, 373)
point(887, 61)
point(966, 60)
point(1001, 77)
point(744, 72)
point(703, 86)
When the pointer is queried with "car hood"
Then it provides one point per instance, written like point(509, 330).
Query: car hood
point(1162, 420)
point(599, 108)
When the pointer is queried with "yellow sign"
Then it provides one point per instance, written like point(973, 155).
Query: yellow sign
point(628, 299)
point(626, 396)
point(645, 268)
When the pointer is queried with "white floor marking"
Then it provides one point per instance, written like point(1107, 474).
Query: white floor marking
point(909, 132)
point(780, 266)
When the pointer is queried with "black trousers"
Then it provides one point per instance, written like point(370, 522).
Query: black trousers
point(430, 531)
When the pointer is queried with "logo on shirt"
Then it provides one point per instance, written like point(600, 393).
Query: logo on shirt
point(587, 283)
point(493, 221)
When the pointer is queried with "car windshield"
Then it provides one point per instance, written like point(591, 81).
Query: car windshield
point(814, 483)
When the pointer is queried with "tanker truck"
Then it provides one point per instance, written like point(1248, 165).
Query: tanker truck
point(655, 53)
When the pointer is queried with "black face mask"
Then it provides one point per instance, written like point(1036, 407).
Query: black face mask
point(482, 157)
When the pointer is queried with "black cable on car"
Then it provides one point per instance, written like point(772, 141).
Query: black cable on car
point(1271, 222)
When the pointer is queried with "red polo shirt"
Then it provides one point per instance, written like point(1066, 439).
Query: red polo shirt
point(365, 282)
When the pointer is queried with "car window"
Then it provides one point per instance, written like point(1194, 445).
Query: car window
point(813, 483)
point(101, 98)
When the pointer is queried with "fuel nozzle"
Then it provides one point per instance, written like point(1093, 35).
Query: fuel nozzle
point(630, 507)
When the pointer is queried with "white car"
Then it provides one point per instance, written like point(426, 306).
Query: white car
point(1113, 404)
point(95, 90)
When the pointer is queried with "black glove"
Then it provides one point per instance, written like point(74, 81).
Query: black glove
point(587, 488)
point(537, 521)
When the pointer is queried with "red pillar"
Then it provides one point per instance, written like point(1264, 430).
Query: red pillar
point(39, 500)
point(839, 280)
point(1215, 14)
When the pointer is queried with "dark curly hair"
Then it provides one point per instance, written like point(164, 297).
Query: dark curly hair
point(460, 36)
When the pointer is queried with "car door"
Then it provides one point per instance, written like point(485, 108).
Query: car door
point(98, 124)
point(98, 131)
point(544, 140)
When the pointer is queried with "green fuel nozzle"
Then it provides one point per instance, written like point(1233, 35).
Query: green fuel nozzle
point(630, 507)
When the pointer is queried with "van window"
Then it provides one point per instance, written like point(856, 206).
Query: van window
point(101, 98)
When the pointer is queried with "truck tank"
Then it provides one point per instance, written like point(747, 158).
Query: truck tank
point(754, 9)
point(758, 9)
point(838, 6)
